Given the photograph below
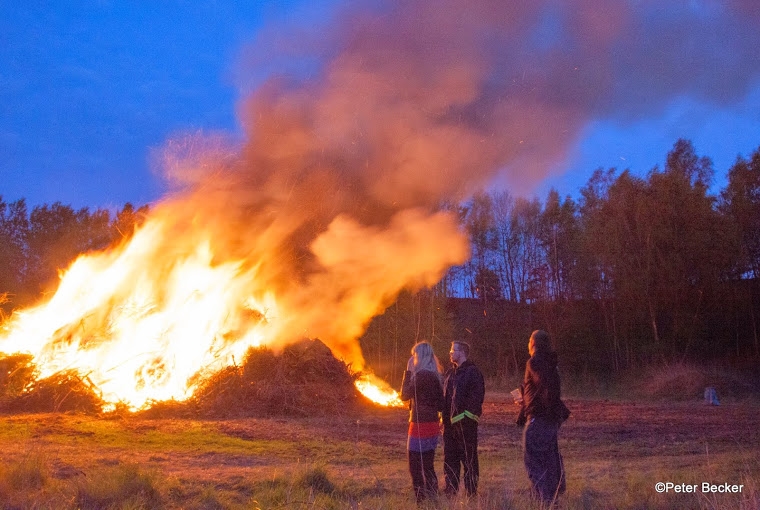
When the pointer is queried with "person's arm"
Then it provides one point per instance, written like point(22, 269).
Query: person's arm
point(446, 410)
point(480, 392)
point(440, 401)
point(533, 388)
point(522, 417)
point(407, 383)
point(474, 393)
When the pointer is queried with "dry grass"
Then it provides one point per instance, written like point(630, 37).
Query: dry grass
point(290, 431)
point(614, 454)
point(121, 486)
point(684, 382)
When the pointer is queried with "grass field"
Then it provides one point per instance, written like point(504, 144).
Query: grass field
point(615, 453)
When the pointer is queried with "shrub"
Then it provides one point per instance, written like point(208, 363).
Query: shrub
point(683, 381)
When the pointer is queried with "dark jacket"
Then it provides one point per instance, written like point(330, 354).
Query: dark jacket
point(425, 396)
point(541, 390)
point(463, 390)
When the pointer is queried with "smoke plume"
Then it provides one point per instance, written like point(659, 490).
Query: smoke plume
point(335, 199)
point(399, 107)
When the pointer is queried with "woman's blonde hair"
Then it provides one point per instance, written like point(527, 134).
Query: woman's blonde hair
point(426, 358)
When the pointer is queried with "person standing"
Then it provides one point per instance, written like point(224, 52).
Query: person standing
point(463, 390)
point(542, 413)
point(422, 387)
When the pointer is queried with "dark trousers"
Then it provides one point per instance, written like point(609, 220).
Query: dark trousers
point(460, 450)
point(422, 469)
point(543, 461)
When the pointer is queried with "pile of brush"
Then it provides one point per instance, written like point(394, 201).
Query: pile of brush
point(22, 392)
point(305, 379)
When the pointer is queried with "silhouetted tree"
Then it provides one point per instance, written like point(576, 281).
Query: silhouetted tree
point(14, 227)
point(126, 221)
point(559, 237)
point(517, 229)
point(740, 203)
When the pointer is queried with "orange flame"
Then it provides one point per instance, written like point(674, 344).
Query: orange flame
point(143, 321)
point(378, 391)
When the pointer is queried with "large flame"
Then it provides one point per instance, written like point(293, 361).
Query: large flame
point(144, 321)
point(329, 207)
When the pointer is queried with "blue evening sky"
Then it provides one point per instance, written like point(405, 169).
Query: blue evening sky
point(90, 90)
point(720, 133)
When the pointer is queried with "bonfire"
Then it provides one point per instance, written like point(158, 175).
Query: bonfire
point(305, 379)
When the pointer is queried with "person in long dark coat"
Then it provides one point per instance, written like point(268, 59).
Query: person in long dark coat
point(542, 413)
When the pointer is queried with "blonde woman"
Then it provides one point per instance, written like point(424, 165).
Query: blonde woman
point(422, 387)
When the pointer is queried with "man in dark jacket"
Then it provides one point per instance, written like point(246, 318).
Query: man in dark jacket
point(463, 392)
point(542, 413)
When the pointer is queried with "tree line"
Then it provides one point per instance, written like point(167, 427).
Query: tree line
point(638, 270)
point(36, 244)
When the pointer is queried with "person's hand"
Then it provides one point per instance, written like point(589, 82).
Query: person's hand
point(410, 364)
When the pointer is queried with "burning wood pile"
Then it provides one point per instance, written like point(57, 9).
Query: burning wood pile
point(22, 392)
point(305, 379)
